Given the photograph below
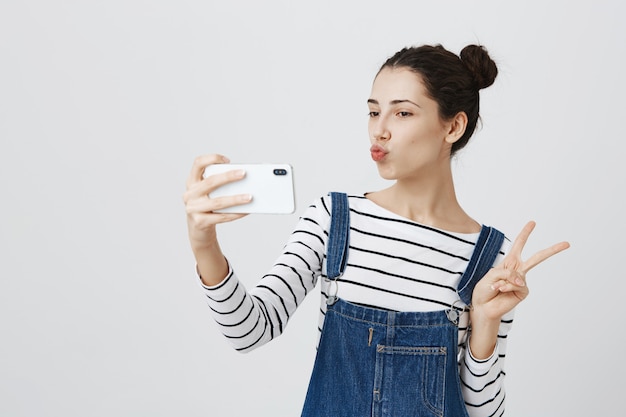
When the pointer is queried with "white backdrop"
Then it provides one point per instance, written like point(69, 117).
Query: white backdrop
point(104, 105)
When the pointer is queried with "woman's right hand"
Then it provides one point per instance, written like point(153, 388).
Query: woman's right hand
point(201, 215)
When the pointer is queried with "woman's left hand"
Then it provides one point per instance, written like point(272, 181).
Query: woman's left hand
point(504, 286)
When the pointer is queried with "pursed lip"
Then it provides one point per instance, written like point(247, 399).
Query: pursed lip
point(378, 152)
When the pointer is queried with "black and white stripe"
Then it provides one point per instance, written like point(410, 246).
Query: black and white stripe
point(393, 263)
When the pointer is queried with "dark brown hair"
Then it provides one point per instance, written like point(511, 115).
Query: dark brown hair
point(452, 81)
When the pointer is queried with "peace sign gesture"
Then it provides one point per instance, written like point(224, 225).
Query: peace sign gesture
point(504, 286)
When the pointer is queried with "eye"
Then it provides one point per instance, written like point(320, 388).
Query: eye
point(373, 114)
point(404, 114)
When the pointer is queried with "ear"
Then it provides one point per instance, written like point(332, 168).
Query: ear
point(457, 127)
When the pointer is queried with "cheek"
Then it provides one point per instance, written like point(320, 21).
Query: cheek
point(414, 139)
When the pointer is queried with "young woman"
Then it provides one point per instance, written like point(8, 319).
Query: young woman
point(417, 297)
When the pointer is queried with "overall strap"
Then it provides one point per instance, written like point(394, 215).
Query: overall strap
point(337, 249)
point(484, 255)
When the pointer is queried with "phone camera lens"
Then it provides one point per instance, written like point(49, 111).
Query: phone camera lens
point(280, 172)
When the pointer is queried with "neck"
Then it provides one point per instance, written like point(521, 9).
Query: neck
point(429, 200)
point(427, 196)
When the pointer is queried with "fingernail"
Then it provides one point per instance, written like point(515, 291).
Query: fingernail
point(520, 282)
point(246, 197)
point(225, 159)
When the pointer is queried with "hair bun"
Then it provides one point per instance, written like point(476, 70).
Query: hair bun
point(481, 66)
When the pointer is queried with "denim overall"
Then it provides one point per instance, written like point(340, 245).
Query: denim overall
point(373, 362)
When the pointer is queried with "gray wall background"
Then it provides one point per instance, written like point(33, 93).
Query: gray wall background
point(104, 106)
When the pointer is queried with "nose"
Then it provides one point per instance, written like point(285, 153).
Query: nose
point(379, 130)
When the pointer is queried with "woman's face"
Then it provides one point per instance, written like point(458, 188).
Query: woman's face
point(407, 135)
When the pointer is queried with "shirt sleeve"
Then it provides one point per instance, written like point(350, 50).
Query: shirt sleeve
point(249, 319)
point(482, 381)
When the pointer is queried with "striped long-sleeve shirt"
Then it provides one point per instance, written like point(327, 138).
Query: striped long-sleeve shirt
point(393, 263)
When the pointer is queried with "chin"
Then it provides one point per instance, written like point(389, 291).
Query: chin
point(386, 174)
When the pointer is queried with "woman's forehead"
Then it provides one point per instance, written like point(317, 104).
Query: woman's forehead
point(397, 83)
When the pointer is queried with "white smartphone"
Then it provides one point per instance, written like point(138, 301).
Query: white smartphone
point(271, 187)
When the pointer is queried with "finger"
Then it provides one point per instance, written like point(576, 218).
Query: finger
point(229, 217)
point(200, 217)
point(220, 203)
point(200, 163)
point(507, 276)
point(204, 204)
point(542, 255)
point(521, 239)
point(216, 218)
point(203, 188)
point(214, 181)
point(496, 277)
point(519, 291)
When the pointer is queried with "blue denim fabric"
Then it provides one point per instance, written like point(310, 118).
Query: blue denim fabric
point(337, 249)
point(380, 363)
point(486, 250)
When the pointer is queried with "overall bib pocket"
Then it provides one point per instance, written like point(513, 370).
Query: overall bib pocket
point(410, 380)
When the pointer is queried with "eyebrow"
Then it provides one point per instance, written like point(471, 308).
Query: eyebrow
point(393, 102)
